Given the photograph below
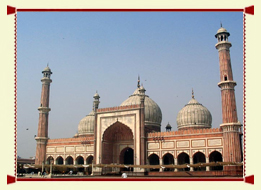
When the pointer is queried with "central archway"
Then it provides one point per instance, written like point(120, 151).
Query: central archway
point(115, 136)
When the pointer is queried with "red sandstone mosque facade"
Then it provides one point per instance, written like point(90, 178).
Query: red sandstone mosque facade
point(130, 133)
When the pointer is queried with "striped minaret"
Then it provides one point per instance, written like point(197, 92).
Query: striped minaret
point(230, 124)
point(42, 135)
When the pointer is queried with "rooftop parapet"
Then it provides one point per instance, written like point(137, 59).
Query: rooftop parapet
point(184, 132)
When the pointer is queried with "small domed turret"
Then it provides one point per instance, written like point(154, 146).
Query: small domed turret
point(222, 34)
point(96, 96)
point(96, 101)
point(47, 72)
point(168, 127)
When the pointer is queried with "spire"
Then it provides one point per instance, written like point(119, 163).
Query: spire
point(192, 93)
point(138, 85)
point(220, 24)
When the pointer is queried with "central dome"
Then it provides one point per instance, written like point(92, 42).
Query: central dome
point(153, 115)
point(194, 115)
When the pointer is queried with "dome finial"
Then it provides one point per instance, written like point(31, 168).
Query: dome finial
point(220, 24)
point(192, 93)
point(138, 85)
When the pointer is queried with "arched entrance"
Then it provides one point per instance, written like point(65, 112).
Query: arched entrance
point(115, 136)
point(127, 158)
point(89, 162)
point(79, 160)
point(199, 157)
point(215, 156)
point(59, 160)
point(154, 160)
point(183, 158)
point(49, 160)
point(69, 160)
point(168, 159)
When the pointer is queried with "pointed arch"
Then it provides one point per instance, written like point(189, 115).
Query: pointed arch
point(79, 160)
point(168, 159)
point(69, 160)
point(183, 158)
point(49, 160)
point(59, 160)
point(89, 160)
point(154, 160)
point(113, 135)
point(199, 158)
point(117, 131)
point(216, 157)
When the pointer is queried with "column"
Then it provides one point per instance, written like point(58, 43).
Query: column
point(191, 162)
point(176, 163)
point(207, 161)
point(160, 162)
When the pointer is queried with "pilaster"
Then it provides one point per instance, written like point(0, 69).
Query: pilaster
point(191, 162)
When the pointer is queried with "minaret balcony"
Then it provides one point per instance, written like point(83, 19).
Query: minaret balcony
point(223, 45)
point(231, 127)
point(44, 109)
point(46, 80)
point(41, 140)
point(225, 85)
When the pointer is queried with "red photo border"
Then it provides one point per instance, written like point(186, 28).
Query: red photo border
point(246, 10)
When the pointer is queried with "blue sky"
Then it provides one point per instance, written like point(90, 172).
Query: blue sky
point(172, 52)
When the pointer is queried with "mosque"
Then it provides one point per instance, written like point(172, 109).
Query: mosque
point(130, 134)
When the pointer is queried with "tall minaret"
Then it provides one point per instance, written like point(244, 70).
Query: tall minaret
point(142, 126)
point(96, 102)
point(230, 126)
point(42, 135)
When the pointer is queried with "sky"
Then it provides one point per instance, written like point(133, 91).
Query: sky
point(172, 52)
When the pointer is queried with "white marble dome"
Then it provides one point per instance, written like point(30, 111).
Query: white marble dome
point(86, 125)
point(194, 115)
point(153, 115)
